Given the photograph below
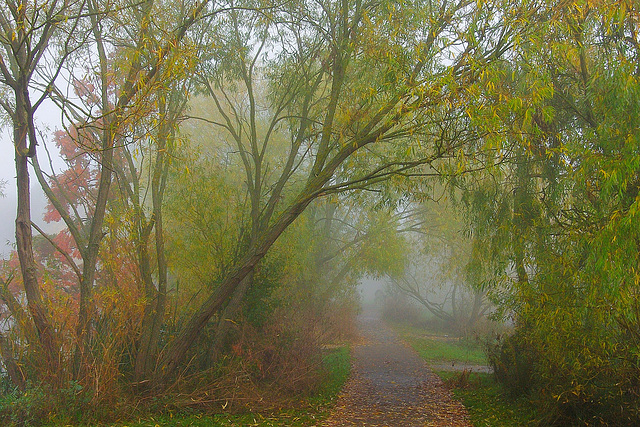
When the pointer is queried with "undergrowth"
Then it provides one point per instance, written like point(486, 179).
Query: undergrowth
point(272, 406)
point(307, 411)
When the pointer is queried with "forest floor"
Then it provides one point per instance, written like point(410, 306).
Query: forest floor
point(392, 386)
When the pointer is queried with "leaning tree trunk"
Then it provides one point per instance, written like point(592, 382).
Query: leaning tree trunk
point(180, 346)
point(223, 328)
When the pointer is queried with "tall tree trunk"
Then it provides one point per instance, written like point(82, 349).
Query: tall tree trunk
point(155, 308)
point(85, 314)
point(161, 297)
point(156, 298)
point(150, 293)
point(24, 237)
point(90, 252)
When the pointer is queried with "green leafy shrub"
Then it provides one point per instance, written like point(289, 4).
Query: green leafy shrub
point(513, 363)
point(588, 375)
point(28, 408)
point(42, 404)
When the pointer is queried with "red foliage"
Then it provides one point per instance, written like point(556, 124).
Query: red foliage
point(74, 187)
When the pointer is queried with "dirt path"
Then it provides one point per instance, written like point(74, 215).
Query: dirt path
point(391, 386)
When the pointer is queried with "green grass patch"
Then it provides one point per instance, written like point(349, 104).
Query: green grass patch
point(434, 351)
point(486, 402)
point(336, 366)
point(437, 349)
point(292, 418)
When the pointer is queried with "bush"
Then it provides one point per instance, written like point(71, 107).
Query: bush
point(42, 404)
point(585, 377)
point(26, 408)
point(513, 361)
point(284, 352)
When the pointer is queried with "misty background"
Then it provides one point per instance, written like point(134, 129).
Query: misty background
point(48, 119)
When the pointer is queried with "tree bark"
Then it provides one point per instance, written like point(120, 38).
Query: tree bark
point(24, 236)
point(231, 310)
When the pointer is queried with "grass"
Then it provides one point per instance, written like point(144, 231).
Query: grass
point(438, 348)
point(286, 418)
point(483, 397)
point(336, 366)
point(487, 405)
point(434, 351)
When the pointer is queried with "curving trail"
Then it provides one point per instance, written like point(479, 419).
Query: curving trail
point(391, 386)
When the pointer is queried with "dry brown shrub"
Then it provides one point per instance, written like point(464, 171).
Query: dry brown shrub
point(267, 367)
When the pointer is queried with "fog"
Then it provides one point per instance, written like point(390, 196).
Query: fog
point(7, 203)
point(48, 118)
point(368, 288)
